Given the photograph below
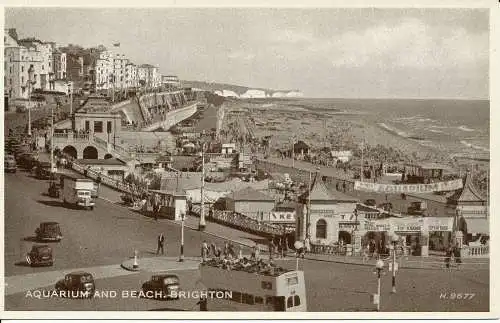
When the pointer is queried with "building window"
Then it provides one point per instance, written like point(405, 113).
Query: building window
point(109, 128)
point(87, 125)
point(22, 68)
point(321, 229)
point(43, 67)
point(97, 126)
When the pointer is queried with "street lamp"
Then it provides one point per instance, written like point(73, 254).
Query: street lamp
point(202, 224)
point(181, 257)
point(298, 246)
point(379, 266)
point(394, 241)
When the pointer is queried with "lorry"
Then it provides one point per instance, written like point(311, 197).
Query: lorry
point(77, 190)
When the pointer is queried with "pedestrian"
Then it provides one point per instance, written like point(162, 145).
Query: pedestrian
point(255, 251)
point(457, 256)
point(204, 251)
point(447, 257)
point(161, 241)
point(307, 244)
point(226, 250)
point(271, 249)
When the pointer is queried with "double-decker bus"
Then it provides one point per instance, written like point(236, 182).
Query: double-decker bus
point(247, 289)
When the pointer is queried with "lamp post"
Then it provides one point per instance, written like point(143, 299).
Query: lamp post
point(394, 241)
point(202, 224)
point(51, 139)
point(379, 266)
point(298, 246)
point(181, 257)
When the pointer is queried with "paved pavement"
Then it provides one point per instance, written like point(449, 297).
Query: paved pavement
point(156, 264)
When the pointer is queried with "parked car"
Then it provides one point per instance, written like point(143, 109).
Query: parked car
point(48, 231)
point(167, 284)
point(40, 255)
point(26, 160)
point(371, 202)
point(80, 284)
point(10, 164)
point(54, 189)
point(43, 170)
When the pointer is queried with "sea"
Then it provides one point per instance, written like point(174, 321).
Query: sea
point(460, 127)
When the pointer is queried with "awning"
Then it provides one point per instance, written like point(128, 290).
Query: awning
point(478, 226)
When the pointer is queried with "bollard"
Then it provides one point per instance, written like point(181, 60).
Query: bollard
point(136, 264)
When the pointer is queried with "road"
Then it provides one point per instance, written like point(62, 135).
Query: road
point(101, 239)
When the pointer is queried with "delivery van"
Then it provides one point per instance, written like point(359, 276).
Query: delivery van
point(77, 191)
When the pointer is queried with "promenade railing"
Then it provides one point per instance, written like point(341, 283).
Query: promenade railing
point(241, 222)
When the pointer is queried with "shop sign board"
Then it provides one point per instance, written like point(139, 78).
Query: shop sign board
point(434, 224)
point(407, 225)
point(409, 188)
point(347, 226)
point(378, 226)
point(282, 217)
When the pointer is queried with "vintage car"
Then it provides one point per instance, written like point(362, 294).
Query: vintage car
point(40, 255)
point(10, 165)
point(54, 189)
point(48, 231)
point(371, 202)
point(43, 170)
point(79, 284)
point(26, 160)
point(167, 284)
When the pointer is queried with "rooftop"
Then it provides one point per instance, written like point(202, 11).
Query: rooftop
point(250, 194)
point(320, 192)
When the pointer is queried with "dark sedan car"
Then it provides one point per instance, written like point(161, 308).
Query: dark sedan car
point(166, 284)
point(79, 284)
point(48, 231)
point(40, 255)
point(43, 170)
point(371, 202)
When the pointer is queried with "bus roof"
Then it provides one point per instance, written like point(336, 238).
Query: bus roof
point(75, 177)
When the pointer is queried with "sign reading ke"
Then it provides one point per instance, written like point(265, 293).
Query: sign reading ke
point(282, 217)
point(409, 188)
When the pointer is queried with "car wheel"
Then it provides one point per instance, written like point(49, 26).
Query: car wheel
point(92, 208)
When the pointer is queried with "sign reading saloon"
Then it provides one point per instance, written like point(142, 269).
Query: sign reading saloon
point(409, 188)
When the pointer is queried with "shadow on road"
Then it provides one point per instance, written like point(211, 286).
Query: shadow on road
point(53, 203)
point(23, 263)
point(30, 239)
point(263, 241)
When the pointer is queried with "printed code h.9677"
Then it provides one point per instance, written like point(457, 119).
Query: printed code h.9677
point(457, 296)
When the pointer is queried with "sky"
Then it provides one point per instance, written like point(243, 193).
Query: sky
point(327, 52)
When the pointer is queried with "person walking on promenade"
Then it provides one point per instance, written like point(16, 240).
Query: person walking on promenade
point(255, 253)
point(457, 256)
point(204, 251)
point(271, 249)
point(161, 242)
point(225, 252)
point(307, 244)
point(447, 257)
